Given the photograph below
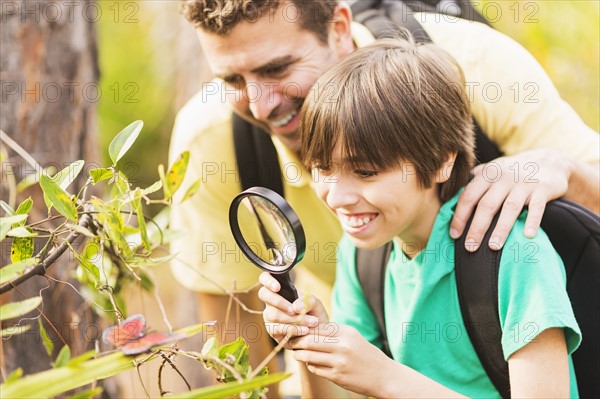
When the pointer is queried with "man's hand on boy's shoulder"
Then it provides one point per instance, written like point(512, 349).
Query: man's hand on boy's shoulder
point(531, 178)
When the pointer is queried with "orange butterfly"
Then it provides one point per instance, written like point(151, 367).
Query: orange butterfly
point(131, 338)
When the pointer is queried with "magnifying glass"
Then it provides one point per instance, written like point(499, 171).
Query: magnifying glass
point(269, 233)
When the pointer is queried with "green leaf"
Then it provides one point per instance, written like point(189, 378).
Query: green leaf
point(7, 208)
point(65, 177)
point(14, 376)
point(21, 232)
point(14, 330)
point(100, 174)
point(63, 357)
point(163, 180)
point(82, 358)
point(34, 178)
point(58, 198)
point(232, 388)
point(146, 262)
point(55, 381)
point(137, 206)
point(211, 347)
point(6, 223)
point(81, 230)
point(153, 188)
point(90, 393)
point(176, 174)
point(17, 309)
point(22, 248)
point(88, 266)
point(48, 344)
point(146, 282)
point(24, 207)
point(191, 190)
point(124, 140)
point(9, 272)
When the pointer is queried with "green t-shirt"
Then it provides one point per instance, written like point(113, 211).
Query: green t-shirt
point(424, 324)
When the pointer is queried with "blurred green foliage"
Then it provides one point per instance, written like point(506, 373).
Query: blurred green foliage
point(135, 79)
point(564, 36)
point(137, 44)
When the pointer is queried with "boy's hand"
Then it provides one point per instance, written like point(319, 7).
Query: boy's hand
point(339, 353)
point(283, 318)
point(530, 178)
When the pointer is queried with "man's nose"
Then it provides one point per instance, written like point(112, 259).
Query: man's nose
point(262, 99)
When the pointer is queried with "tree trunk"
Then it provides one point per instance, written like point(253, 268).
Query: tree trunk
point(49, 74)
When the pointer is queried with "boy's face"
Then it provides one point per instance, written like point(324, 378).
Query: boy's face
point(269, 66)
point(376, 206)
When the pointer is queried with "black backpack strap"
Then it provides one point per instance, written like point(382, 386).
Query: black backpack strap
point(485, 149)
point(477, 285)
point(575, 234)
point(384, 19)
point(257, 160)
point(370, 270)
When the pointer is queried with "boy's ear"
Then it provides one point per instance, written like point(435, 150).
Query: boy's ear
point(444, 172)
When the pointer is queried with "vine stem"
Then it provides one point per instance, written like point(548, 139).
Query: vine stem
point(40, 268)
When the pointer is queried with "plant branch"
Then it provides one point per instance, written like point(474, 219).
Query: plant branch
point(40, 268)
point(19, 150)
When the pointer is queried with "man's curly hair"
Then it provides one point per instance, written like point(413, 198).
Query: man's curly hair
point(221, 16)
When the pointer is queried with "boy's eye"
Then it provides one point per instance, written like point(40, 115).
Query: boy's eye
point(364, 173)
point(323, 168)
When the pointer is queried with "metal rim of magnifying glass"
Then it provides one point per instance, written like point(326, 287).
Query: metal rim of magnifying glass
point(287, 212)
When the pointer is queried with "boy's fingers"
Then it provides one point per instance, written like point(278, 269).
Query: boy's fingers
point(283, 329)
point(269, 281)
point(274, 300)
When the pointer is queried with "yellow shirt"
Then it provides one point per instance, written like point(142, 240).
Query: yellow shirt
point(513, 100)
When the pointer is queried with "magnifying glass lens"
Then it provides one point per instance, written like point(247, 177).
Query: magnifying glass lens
point(269, 233)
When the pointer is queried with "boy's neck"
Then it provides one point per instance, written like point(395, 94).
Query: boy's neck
point(415, 239)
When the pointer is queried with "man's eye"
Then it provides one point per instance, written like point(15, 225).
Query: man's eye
point(276, 70)
point(237, 82)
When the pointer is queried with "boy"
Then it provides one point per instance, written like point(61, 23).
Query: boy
point(390, 151)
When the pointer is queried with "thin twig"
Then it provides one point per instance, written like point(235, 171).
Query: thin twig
point(166, 359)
point(161, 306)
point(11, 182)
point(275, 350)
point(40, 268)
point(19, 150)
point(137, 366)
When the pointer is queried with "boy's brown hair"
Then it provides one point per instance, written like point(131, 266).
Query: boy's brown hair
point(389, 103)
point(220, 16)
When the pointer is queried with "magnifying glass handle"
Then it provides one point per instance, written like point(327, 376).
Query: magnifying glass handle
point(288, 291)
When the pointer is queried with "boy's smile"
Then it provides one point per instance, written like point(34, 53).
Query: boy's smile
point(376, 206)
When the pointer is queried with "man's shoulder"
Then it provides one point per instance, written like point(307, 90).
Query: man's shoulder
point(203, 117)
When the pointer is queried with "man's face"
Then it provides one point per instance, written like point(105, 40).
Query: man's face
point(269, 66)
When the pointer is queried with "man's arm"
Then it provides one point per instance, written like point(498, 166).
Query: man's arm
point(531, 178)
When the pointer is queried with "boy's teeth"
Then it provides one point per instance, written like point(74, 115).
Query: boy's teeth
point(285, 120)
point(357, 222)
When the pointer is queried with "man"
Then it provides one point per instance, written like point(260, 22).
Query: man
point(266, 56)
